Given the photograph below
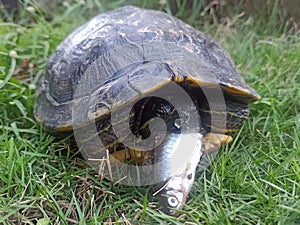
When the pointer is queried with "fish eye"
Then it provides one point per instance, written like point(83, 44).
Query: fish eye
point(172, 201)
point(190, 176)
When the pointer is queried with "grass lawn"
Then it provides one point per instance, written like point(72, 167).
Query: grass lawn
point(254, 180)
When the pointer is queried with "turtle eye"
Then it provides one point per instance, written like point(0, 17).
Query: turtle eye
point(172, 201)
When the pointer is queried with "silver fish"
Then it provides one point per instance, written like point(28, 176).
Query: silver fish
point(180, 156)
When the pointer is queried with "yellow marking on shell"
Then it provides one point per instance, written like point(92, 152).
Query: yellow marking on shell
point(199, 83)
point(192, 81)
point(240, 91)
point(65, 127)
point(212, 142)
point(178, 79)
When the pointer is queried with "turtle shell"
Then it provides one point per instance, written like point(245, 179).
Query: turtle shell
point(135, 52)
point(125, 71)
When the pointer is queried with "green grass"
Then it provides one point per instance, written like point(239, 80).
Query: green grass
point(255, 180)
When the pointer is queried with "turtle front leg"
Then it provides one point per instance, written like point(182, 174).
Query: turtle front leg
point(212, 142)
point(132, 156)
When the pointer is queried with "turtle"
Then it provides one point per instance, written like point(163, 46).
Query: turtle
point(153, 90)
